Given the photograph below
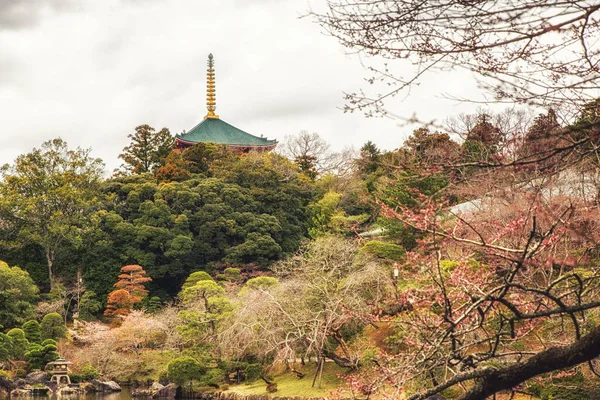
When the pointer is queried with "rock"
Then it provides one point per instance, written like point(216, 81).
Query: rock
point(157, 386)
point(435, 397)
point(6, 385)
point(167, 392)
point(20, 383)
point(87, 387)
point(40, 391)
point(107, 386)
point(142, 393)
point(67, 390)
point(37, 377)
point(20, 393)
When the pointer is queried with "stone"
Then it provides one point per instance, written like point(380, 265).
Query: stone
point(6, 385)
point(87, 387)
point(106, 386)
point(20, 383)
point(37, 377)
point(20, 393)
point(167, 392)
point(157, 386)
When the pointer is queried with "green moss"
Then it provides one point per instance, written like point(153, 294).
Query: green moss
point(289, 385)
point(389, 251)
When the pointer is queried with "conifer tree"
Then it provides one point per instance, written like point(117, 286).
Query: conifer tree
point(130, 290)
point(33, 331)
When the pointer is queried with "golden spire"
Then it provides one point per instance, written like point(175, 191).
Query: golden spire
point(211, 99)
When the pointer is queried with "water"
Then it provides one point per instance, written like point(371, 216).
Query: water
point(125, 394)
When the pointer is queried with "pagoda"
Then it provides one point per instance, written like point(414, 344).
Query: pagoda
point(214, 130)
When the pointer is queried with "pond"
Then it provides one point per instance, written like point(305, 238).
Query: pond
point(125, 394)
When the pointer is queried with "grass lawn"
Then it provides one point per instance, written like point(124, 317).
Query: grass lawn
point(289, 385)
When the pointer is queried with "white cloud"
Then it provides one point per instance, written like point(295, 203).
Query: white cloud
point(92, 72)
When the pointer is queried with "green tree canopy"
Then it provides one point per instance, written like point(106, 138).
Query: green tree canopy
point(19, 343)
point(185, 369)
point(33, 331)
point(148, 149)
point(47, 196)
point(53, 326)
point(18, 294)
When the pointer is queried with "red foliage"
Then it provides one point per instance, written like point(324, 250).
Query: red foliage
point(130, 290)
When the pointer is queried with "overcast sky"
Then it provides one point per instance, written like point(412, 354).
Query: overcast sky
point(90, 71)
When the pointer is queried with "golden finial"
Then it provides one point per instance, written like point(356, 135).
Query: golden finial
point(211, 97)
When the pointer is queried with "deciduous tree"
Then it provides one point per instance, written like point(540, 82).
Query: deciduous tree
point(48, 195)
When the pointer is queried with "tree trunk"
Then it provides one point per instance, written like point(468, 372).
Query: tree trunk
point(555, 358)
point(50, 259)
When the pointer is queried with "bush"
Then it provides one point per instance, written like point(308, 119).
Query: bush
point(89, 372)
point(184, 369)
point(4, 374)
point(253, 372)
point(33, 331)
point(53, 327)
point(20, 373)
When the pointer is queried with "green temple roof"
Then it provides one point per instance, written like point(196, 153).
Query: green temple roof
point(215, 130)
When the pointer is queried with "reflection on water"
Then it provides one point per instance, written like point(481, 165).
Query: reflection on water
point(125, 394)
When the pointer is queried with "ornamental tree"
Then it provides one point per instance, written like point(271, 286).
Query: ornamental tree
point(33, 331)
point(53, 327)
point(133, 279)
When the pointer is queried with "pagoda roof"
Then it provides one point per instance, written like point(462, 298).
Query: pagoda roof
point(215, 130)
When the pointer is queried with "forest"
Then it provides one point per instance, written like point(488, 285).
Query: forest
point(463, 263)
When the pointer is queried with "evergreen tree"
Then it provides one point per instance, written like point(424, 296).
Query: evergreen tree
point(19, 343)
point(88, 305)
point(53, 327)
point(148, 149)
point(33, 331)
point(39, 355)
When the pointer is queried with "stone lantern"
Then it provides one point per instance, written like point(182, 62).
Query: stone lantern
point(59, 369)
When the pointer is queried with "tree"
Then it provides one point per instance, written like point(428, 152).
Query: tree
point(88, 305)
point(5, 347)
point(322, 297)
point(38, 355)
point(148, 149)
point(528, 52)
point(133, 279)
point(18, 294)
point(19, 343)
point(53, 327)
point(33, 331)
point(184, 369)
point(119, 303)
point(48, 195)
point(204, 306)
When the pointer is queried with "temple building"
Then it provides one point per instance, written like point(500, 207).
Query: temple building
point(214, 130)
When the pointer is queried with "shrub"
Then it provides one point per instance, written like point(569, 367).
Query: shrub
point(184, 369)
point(89, 372)
point(33, 331)
point(20, 373)
point(53, 327)
point(4, 374)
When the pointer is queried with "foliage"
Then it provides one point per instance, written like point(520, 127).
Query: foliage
point(388, 251)
point(148, 149)
point(33, 331)
point(53, 327)
point(17, 296)
point(88, 305)
point(184, 369)
point(196, 277)
point(89, 372)
point(119, 303)
point(19, 343)
point(130, 290)
point(5, 347)
point(47, 197)
point(39, 355)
